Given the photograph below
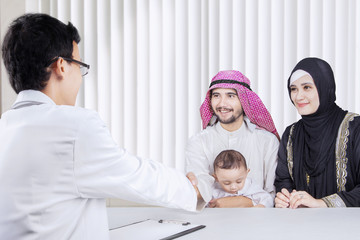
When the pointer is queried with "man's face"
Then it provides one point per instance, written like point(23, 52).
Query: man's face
point(231, 180)
point(226, 106)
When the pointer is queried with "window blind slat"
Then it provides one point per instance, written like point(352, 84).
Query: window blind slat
point(181, 94)
point(239, 31)
point(155, 79)
point(225, 35)
point(168, 86)
point(90, 43)
point(277, 62)
point(341, 41)
point(143, 95)
point(103, 60)
point(130, 78)
point(264, 52)
point(117, 70)
point(194, 63)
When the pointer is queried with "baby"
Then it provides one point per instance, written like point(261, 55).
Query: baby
point(230, 173)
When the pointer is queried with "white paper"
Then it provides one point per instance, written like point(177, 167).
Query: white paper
point(148, 229)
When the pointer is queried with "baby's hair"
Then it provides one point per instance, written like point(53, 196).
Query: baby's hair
point(230, 159)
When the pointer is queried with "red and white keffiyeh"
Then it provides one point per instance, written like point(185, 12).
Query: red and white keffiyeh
point(252, 105)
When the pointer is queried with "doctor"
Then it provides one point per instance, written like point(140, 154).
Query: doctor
point(59, 162)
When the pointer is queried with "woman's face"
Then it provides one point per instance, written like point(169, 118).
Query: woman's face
point(304, 95)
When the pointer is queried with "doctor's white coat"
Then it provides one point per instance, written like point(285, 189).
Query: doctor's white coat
point(59, 163)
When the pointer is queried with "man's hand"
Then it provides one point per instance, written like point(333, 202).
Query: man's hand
point(231, 202)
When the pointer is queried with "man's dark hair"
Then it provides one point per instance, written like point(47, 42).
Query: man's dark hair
point(31, 42)
point(229, 159)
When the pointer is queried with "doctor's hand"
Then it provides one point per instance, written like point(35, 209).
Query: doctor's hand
point(304, 199)
point(282, 199)
point(192, 178)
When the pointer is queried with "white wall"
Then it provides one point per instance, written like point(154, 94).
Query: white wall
point(163, 53)
point(9, 10)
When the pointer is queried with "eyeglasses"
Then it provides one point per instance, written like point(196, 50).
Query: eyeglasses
point(84, 68)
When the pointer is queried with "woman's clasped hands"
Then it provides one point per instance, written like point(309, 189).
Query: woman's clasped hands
point(297, 199)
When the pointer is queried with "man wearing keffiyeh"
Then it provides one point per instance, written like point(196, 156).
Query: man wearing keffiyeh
point(233, 117)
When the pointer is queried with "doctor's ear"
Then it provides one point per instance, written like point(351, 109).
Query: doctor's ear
point(59, 67)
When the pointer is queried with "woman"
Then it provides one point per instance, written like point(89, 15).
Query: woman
point(319, 156)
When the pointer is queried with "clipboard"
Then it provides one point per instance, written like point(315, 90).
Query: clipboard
point(154, 230)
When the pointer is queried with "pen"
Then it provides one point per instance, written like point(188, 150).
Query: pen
point(174, 222)
point(184, 232)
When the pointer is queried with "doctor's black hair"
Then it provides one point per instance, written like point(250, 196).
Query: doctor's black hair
point(30, 43)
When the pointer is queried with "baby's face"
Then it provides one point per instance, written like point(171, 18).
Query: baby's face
point(231, 180)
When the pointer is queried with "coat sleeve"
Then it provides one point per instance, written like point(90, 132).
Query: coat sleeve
point(283, 178)
point(103, 170)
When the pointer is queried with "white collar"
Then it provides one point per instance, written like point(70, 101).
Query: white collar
point(35, 96)
point(246, 125)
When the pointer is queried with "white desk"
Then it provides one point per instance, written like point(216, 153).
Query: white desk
point(253, 223)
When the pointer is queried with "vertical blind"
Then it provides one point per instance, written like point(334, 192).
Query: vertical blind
point(152, 60)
